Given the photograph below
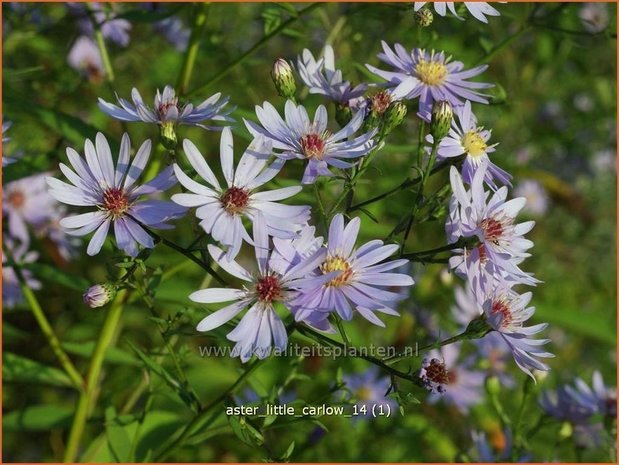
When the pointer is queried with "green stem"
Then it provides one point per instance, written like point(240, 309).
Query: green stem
point(321, 338)
point(256, 46)
point(44, 324)
point(86, 400)
point(205, 266)
point(193, 424)
point(191, 53)
point(321, 206)
point(435, 345)
point(105, 56)
point(445, 248)
point(424, 178)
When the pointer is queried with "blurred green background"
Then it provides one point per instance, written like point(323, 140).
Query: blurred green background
point(553, 112)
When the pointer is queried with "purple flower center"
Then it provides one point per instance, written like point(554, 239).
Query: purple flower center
point(436, 372)
point(235, 200)
point(483, 255)
point(380, 102)
point(163, 107)
point(115, 201)
point(268, 289)
point(337, 264)
point(493, 229)
point(17, 199)
point(314, 145)
point(502, 308)
point(432, 73)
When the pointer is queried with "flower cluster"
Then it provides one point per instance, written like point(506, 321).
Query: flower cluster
point(581, 405)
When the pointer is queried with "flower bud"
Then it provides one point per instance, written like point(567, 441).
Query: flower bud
point(282, 76)
point(424, 17)
point(99, 295)
point(478, 328)
point(442, 113)
point(394, 116)
point(493, 385)
point(168, 135)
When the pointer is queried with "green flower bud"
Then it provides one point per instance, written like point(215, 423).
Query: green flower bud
point(168, 135)
point(478, 328)
point(283, 78)
point(442, 113)
point(424, 17)
point(394, 116)
point(493, 385)
point(99, 295)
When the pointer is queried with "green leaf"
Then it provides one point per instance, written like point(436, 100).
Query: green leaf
point(112, 354)
point(593, 325)
point(56, 275)
point(118, 438)
point(187, 396)
point(70, 127)
point(38, 418)
point(18, 369)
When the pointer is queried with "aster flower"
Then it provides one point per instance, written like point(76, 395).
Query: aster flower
point(65, 245)
point(175, 32)
point(466, 138)
point(438, 77)
point(297, 137)
point(26, 202)
point(114, 195)
point(580, 405)
point(361, 280)
point(167, 109)
point(536, 195)
point(114, 29)
point(451, 380)
point(601, 399)
point(479, 10)
point(261, 328)
point(11, 290)
point(322, 78)
point(85, 57)
point(491, 219)
point(482, 273)
point(594, 17)
point(491, 350)
point(507, 312)
point(370, 392)
point(222, 209)
point(288, 253)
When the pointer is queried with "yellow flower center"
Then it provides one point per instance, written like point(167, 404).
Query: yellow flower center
point(431, 73)
point(474, 144)
point(337, 264)
point(364, 393)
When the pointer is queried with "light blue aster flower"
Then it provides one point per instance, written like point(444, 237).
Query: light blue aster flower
point(298, 137)
point(113, 193)
point(167, 109)
point(321, 77)
point(261, 328)
point(362, 280)
point(370, 391)
point(438, 78)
